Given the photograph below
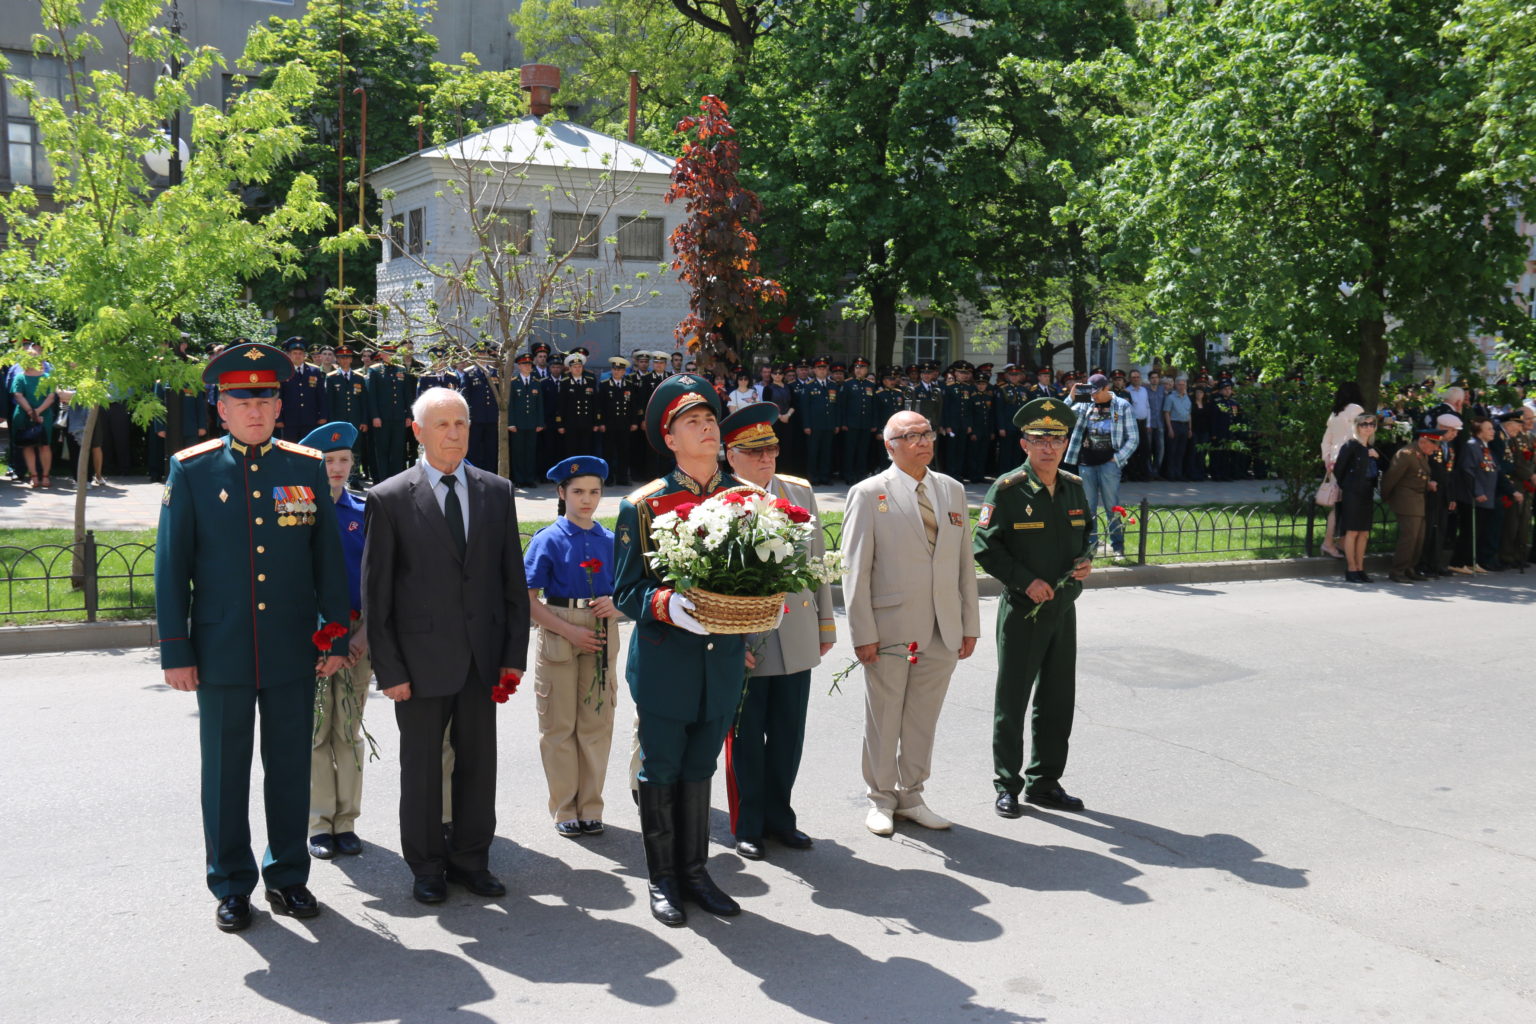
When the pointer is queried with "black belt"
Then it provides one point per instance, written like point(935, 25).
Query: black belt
point(569, 602)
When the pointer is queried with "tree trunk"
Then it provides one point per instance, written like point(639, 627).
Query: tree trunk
point(1372, 359)
point(883, 306)
point(1033, 354)
point(1202, 352)
point(1080, 324)
point(82, 484)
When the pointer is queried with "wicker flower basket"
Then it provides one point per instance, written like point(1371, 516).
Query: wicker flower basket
point(727, 613)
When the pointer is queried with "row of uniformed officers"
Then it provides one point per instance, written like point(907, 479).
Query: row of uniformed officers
point(242, 584)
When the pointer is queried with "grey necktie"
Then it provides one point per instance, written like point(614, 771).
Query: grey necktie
point(455, 515)
point(930, 522)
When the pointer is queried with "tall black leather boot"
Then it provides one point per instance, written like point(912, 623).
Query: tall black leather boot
point(693, 850)
point(658, 811)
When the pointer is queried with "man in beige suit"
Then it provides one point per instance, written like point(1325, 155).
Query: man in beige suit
point(909, 578)
point(762, 755)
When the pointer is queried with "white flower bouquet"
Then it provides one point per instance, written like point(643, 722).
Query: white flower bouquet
point(737, 554)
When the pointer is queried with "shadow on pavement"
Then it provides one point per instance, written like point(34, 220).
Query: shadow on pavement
point(996, 858)
point(1163, 847)
point(827, 979)
point(344, 972)
point(910, 900)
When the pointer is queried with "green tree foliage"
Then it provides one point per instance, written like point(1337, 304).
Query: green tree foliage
point(1499, 42)
point(598, 44)
point(386, 47)
point(114, 261)
point(1300, 175)
point(857, 125)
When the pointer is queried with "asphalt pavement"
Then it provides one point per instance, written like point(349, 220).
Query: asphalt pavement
point(1306, 802)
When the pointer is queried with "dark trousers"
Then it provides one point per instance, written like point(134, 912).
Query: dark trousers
point(116, 440)
point(388, 449)
point(1462, 550)
point(524, 453)
point(482, 452)
point(226, 734)
point(469, 717)
point(672, 750)
point(1036, 655)
point(1489, 527)
point(575, 441)
point(1432, 552)
point(765, 753)
point(819, 455)
point(1139, 459)
point(978, 448)
point(1176, 446)
point(617, 445)
point(1410, 541)
point(856, 454)
point(957, 454)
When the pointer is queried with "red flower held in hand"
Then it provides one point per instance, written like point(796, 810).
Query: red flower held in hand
point(1118, 510)
point(912, 647)
point(912, 658)
point(592, 565)
point(327, 634)
point(1506, 500)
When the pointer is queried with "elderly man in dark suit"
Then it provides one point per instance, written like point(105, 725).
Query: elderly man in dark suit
point(446, 604)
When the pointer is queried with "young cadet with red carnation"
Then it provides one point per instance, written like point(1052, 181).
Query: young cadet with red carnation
point(571, 562)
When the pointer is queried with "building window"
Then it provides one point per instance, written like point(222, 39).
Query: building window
point(926, 338)
point(230, 88)
point(396, 237)
point(640, 238)
point(506, 230)
point(415, 243)
point(575, 233)
point(28, 161)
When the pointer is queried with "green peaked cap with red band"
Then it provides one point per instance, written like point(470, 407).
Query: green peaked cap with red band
point(673, 396)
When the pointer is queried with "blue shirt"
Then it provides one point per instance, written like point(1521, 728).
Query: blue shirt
point(1177, 407)
point(349, 519)
point(440, 490)
point(552, 561)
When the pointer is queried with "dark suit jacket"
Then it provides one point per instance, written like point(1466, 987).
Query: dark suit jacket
point(428, 612)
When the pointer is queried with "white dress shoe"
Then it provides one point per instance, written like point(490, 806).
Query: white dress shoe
point(921, 815)
point(879, 822)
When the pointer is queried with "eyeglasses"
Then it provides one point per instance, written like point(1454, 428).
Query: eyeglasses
point(1045, 441)
point(917, 437)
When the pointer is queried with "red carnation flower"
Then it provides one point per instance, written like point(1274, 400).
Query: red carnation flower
point(782, 504)
point(912, 658)
point(593, 565)
point(1118, 510)
point(912, 647)
point(500, 696)
point(356, 615)
point(685, 510)
point(797, 514)
point(1506, 500)
point(326, 634)
point(733, 499)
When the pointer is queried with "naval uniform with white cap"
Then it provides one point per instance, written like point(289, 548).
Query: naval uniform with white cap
point(248, 565)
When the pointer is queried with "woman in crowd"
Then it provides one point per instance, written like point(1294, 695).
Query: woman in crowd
point(1199, 433)
point(744, 395)
point(36, 406)
point(1357, 469)
point(574, 684)
point(1348, 405)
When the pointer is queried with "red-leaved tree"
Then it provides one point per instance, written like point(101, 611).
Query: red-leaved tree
point(716, 250)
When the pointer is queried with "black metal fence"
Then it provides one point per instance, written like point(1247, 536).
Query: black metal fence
point(118, 580)
point(87, 577)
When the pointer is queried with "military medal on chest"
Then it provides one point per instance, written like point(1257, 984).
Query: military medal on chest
point(295, 506)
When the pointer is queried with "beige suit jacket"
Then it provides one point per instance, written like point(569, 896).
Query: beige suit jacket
point(893, 589)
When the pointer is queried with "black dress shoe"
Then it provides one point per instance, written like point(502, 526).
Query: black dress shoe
point(667, 902)
point(296, 900)
point(749, 849)
point(481, 883)
point(429, 889)
point(1055, 797)
point(1007, 806)
point(233, 914)
point(322, 846)
point(794, 839)
point(569, 829)
point(348, 843)
point(590, 827)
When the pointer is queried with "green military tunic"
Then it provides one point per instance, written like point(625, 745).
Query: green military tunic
point(1025, 533)
point(391, 390)
point(248, 564)
point(686, 687)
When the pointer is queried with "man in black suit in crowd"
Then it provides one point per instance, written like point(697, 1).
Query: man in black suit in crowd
point(446, 604)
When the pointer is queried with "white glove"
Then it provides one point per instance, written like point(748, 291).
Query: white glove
point(678, 608)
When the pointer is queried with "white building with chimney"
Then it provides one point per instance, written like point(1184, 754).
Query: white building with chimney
point(548, 189)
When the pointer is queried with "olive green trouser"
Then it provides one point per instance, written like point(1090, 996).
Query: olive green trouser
point(1035, 656)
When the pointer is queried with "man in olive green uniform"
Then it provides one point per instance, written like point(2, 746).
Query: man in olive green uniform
point(346, 394)
point(1032, 536)
point(685, 682)
point(247, 567)
point(1404, 486)
point(391, 390)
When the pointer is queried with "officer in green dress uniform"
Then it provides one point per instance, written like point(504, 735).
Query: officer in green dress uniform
point(1032, 536)
point(1011, 396)
point(858, 420)
point(391, 390)
point(247, 566)
point(525, 421)
point(817, 408)
point(304, 405)
point(955, 422)
point(685, 682)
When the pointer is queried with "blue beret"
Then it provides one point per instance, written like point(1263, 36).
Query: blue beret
point(578, 465)
point(331, 437)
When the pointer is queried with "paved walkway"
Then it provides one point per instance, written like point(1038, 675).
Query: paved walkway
point(133, 503)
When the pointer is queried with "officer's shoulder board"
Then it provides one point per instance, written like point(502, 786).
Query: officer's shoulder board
point(198, 449)
point(637, 496)
point(298, 449)
point(797, 481)
point(1010, 478)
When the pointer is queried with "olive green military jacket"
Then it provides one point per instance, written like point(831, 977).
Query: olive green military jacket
point(1024, 533)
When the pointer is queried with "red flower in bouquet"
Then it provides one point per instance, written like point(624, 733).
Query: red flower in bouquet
point(328, 634)
point(685, 510)
point(733, 498)
point(797, 514)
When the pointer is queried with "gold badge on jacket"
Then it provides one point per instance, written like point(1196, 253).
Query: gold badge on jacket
point(295, 506)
